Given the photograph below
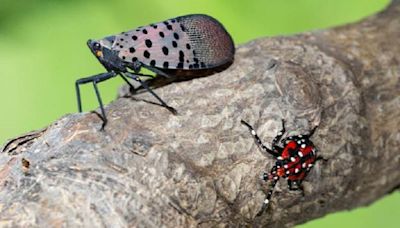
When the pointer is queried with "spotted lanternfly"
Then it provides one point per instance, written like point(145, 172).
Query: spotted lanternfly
point(186, 43)
point(293, 161)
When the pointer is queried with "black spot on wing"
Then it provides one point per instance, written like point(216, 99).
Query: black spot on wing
point(181, 56)
point(165, 50)
point(148, 43)
point(182, 28)
point(146, 54)
point(165, 64)
point(169, 27)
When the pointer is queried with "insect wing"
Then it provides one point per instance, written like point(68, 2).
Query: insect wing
point(187, 42)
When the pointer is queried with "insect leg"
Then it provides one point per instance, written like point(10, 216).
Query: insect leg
point(258, 140)
point(132, 88)
point(314, 153)
point(298, 187)
point(319, 158)
point(135, 77)
point(275, 147)
point(103, 113)
point(157, 71)
point(93, 79)
point(274, 178)
point(311, 132)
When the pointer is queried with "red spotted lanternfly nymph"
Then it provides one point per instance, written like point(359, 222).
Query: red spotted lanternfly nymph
point(186, 43)
point(293, 161)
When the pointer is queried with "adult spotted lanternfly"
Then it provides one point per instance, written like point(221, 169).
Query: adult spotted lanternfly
point(186, 43)
point(293, 161)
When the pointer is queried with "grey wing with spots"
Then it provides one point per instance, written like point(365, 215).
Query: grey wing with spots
point(187, 42)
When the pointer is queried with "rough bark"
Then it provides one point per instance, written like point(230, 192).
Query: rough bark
point(150, 168)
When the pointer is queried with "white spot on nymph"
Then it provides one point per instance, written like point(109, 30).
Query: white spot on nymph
point(300, 154)
point(303, 140)
point(299, 142)
point(280, 158)
point(253, 132)
point(280, 133)
point(303, 165)
point(296, 170)
point(292, 159)
point(288, 172)
point(285, 166)
point(266, 201)
point(273, 172)
point(300, 136)
point(310, 165)
point(275, 178)
point(303, 145)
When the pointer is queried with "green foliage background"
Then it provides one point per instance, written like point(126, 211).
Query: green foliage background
point(43, 51)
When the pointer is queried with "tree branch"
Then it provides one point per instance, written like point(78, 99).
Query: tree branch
point(150, 168)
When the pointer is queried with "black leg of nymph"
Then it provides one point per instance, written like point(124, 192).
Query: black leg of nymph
point(135, 77)
point(258, 140)
point(93, 79)
point(275, 147)
point(274, 179)
point(311, 132)
point(298, 187)
point(320, 158)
